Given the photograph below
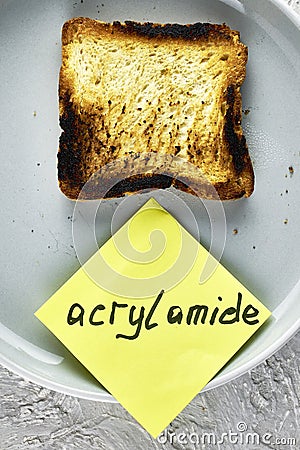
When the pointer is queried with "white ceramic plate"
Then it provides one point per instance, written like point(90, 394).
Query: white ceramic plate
point(37, 253)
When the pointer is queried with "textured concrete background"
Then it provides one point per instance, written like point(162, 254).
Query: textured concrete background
point(260, 410)
point(263, 405)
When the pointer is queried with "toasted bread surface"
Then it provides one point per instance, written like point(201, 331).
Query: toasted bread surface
point(167, 90)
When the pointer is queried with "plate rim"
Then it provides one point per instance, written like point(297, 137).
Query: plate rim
point(220, 379)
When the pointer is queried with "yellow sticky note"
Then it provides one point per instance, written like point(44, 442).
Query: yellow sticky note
point(138, 318)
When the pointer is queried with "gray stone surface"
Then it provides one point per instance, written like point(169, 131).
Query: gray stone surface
point(256, 411)
point(259, 410)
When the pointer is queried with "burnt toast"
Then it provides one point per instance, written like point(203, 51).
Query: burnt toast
point(172, 92)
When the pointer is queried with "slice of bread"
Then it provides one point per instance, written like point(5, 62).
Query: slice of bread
point(168, 91)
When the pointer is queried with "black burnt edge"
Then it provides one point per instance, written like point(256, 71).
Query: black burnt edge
point(143, 182)
point(139, 183)
point(237, 146)
point(69, 158)
point(172, 30)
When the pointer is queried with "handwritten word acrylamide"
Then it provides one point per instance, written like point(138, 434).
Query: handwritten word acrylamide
point(137, 315)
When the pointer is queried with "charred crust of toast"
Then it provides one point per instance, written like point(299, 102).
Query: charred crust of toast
point(144, 182)
point(188, 32)
point(69, 157)
point(237, 145)
point(139, 183)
